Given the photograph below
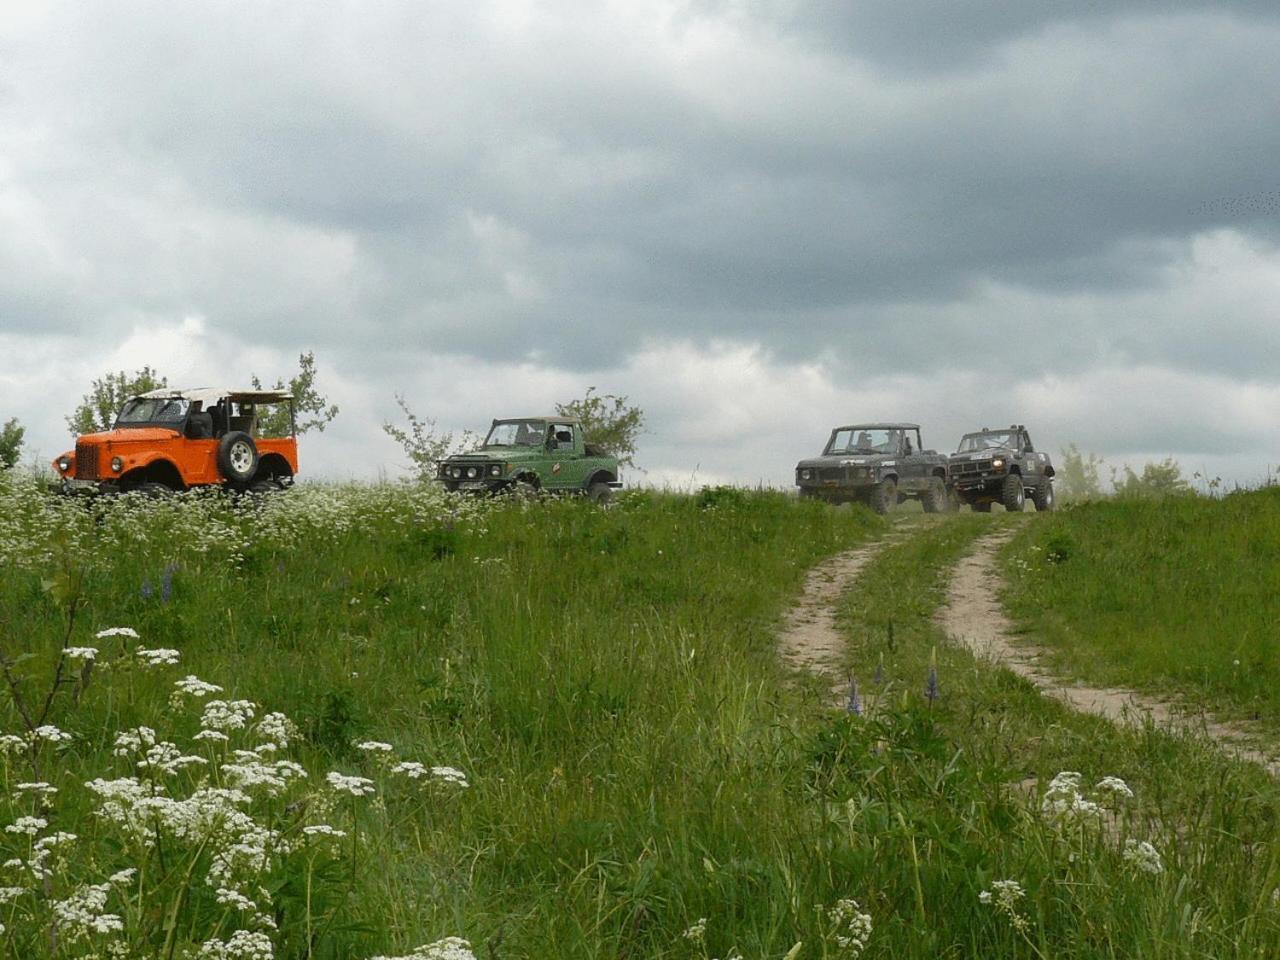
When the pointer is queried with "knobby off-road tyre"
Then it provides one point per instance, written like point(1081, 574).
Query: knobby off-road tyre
point(600, 493)
point(1043, 497)
point(1012, 494)
point(935, 497)
point(237, 457)
point(982, 506)
point(884, 496)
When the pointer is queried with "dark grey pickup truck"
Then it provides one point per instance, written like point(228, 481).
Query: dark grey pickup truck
point(879, 464)
point(1001, 466)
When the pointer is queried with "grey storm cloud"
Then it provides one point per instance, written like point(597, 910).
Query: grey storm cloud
point(510, 181)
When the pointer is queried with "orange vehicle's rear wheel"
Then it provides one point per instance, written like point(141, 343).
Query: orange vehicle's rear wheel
point(237, 457)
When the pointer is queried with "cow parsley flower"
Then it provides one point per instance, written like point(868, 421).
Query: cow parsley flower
point(1063, 802)
point(117, 632)
point(168, 759)
point(80, 653)
point(450, 775)
point(411, 769)
point(374, 746)
point(1143, 856)
point(1114, 786)
point(122, 877)
point(27, 825)
point(356, 786)
point(50, 733)
point(697, 932)
point(1004, 896)
point(278, 729)
point(195, 687)
point(9, 894)
point(227, 714)
point(11, 743)
point(323, 830)
point(852, 927)
point(157, 656)
point(241, 945)
point(132, 741)
point(450, 948)
point(40, 787)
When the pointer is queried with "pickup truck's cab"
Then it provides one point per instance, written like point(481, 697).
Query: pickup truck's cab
point(170, 440)
point(1001, 466)
point(530, 454)
point(879, 464)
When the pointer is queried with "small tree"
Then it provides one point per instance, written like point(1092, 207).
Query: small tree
point(1163, 479)
point(100, 406)
point(311, 408)
point(422, 441)
point(11, 443)
point(1078, 475)
point(608, 422)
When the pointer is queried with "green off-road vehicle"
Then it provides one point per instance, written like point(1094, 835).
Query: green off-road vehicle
point(532, 454)
point(1001, 466)
point(879, 464)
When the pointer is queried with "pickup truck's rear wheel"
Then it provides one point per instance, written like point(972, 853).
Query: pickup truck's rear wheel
point(237, 457)
point(935, 496)
point(1043, 496)
point(884, 495)
point(1012, 495)
point(600, 493)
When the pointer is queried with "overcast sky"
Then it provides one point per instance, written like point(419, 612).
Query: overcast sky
point(756, 219)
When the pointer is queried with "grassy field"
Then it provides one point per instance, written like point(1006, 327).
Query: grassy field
point(557, 731)
point(946, 787)
point(1179, 596)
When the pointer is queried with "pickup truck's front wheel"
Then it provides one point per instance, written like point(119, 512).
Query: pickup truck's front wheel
point(1012, 494)
point(600, 493)
point(884, 495)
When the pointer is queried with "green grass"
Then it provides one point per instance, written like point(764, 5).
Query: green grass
point(1178, 596)
point(940, 797)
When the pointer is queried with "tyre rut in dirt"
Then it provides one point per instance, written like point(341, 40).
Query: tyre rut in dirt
point(1012, 494)
point(935, 498)
point(1043, 497)
point(237, 457)
point(884, 495)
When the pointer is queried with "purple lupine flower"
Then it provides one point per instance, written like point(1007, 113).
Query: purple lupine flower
point(166, 582)
point(931, 686)
point(854, 706)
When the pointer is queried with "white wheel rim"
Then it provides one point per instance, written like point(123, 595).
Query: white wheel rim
point(241, 457)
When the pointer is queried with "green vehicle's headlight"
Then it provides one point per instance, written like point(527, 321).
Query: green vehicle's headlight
point(806, 474)
point(455, 472)
point(495, 470)
point(472, 473)
point(997, 463)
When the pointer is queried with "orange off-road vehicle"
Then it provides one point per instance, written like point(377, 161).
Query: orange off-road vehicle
point(171, 440)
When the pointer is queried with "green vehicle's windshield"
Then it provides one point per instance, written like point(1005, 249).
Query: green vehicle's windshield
point(145, 411)
point(869, 440)
point(517, 433)
point(975, 442)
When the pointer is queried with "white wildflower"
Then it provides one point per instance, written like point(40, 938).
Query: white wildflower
point(278, 729)
point(157, 656)
point(168, 759)
point(356, 786)
point(83, 913)
point(1143, 855)
point(195, 687)
point(374, 746)
point(132, 741)
point(323, 830)
point(241, 945)
point(852, 927)
point(39, 787)
point(217, 735)
point(234, 898)
point(11, 743)
point(1004, 896)
point(50, 733)
point(450, 775)
point(450, 948)
point(121, 877)
point(227, 714)
point(80, 653)
point(697, 931)
point(1115, 786)
point(117, 632)
point(1063, 801)
point(9, 894)
point(27, 825)
point(411, 769)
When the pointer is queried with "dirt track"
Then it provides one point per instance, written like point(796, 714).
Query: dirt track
point(810, 639)
point(973, 616)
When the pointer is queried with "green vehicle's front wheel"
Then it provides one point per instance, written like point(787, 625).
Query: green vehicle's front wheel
point(884, 495)
point(600, 493)
point(935, 498)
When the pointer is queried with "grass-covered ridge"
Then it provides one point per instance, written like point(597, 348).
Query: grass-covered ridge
point(1179, 595)
point(605, 680)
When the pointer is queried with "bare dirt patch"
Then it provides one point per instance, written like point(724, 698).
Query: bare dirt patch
point(973, 617)
point(810, 639)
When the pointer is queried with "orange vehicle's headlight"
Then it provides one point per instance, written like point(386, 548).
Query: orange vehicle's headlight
point(117, 464)
point(64, 464)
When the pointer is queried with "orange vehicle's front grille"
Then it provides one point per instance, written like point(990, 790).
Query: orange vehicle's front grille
point(86, 461)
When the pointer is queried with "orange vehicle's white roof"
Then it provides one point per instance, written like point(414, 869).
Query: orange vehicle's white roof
point(214, 394)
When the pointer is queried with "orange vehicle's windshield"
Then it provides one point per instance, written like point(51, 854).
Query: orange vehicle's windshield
point(148, 411)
